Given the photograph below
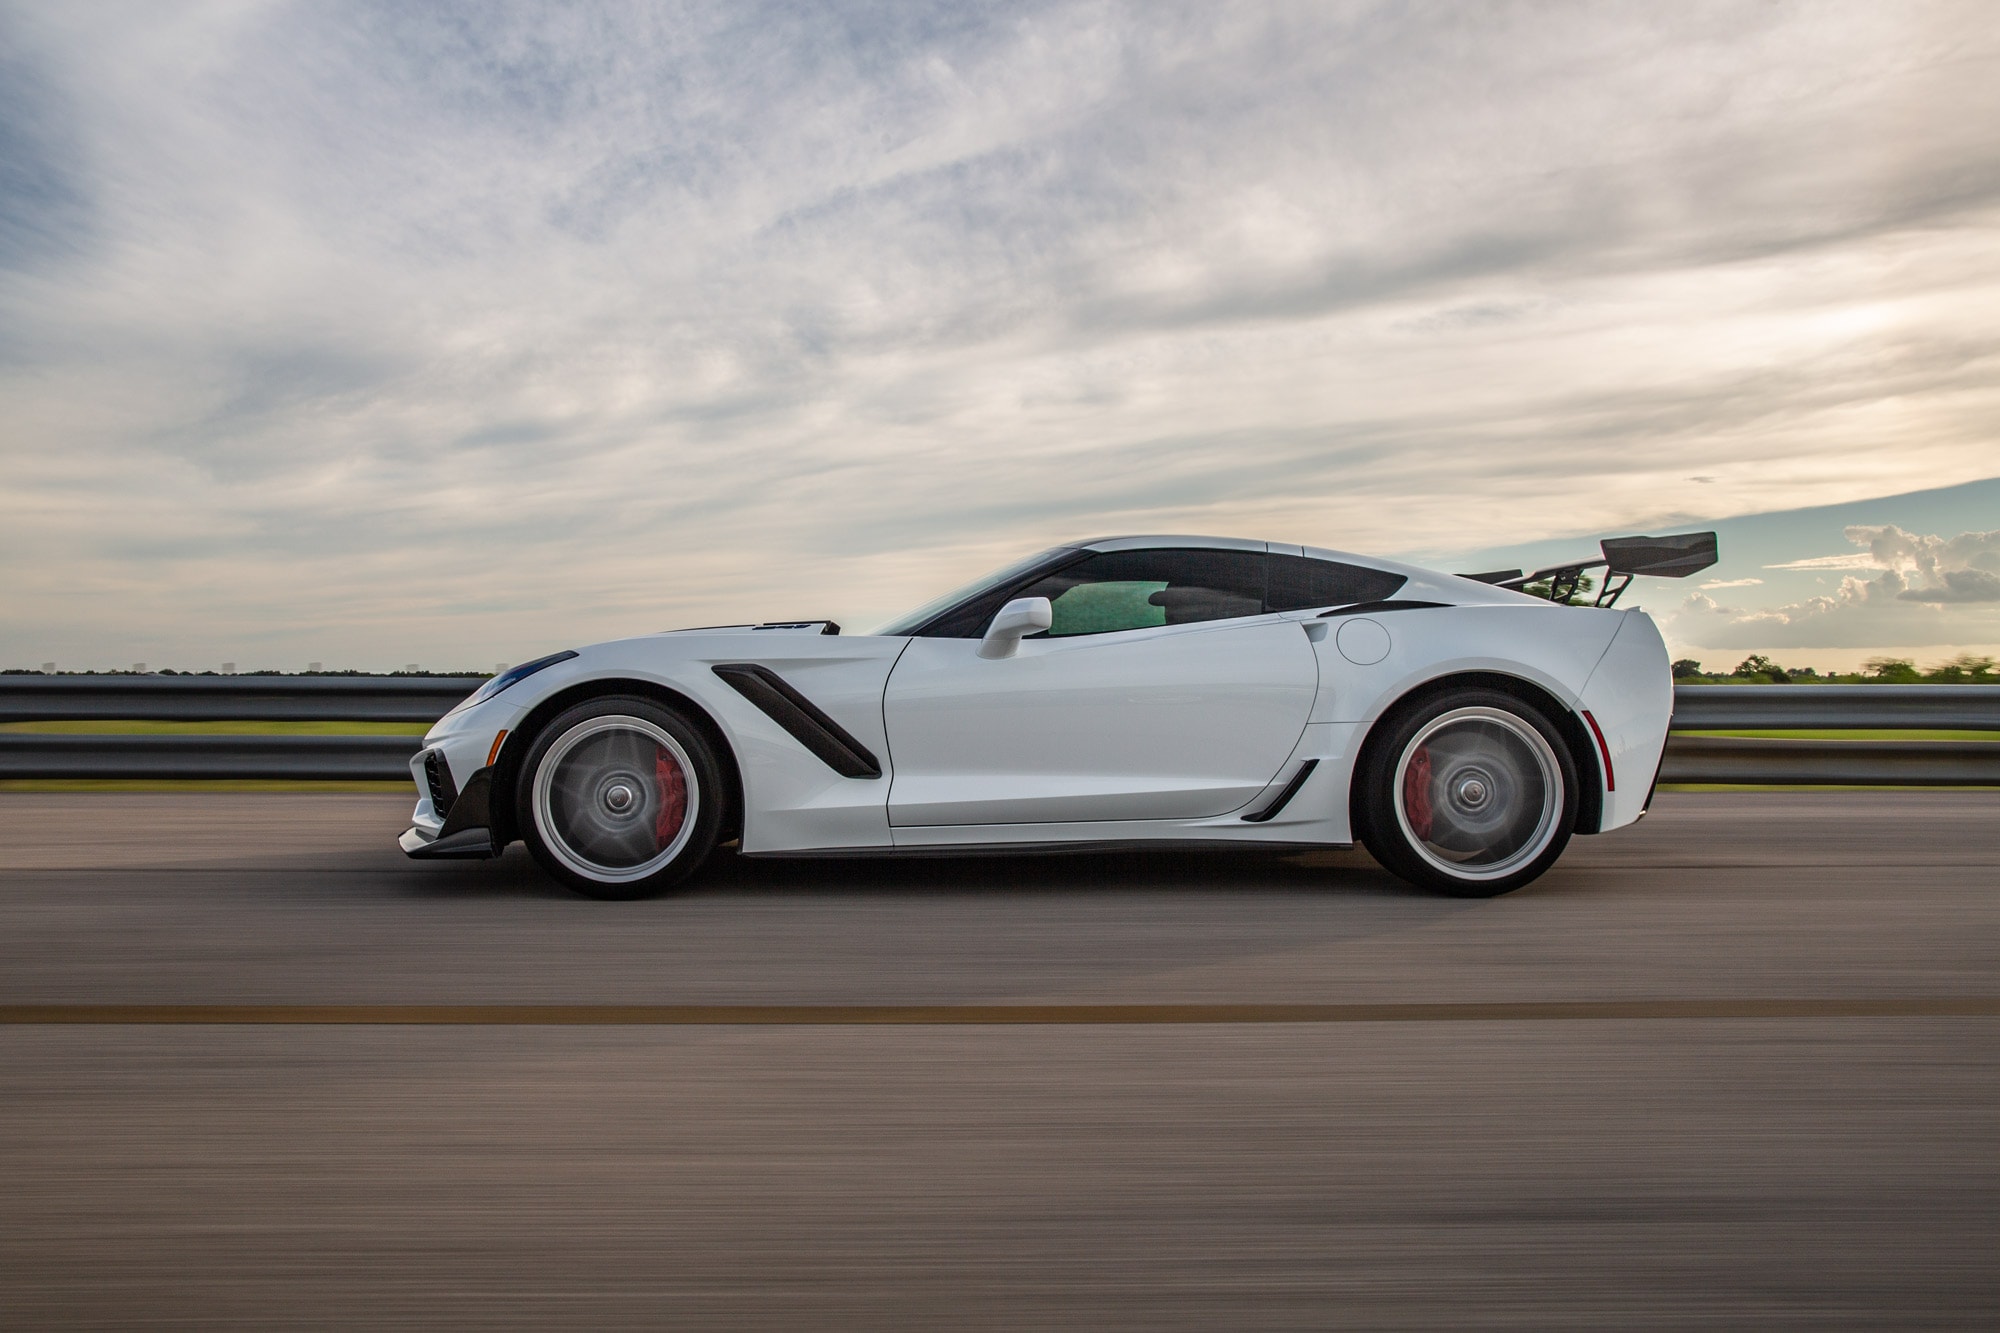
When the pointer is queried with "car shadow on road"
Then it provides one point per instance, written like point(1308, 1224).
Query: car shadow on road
point(1146, 871)
point(995, 926)
point(727, 873)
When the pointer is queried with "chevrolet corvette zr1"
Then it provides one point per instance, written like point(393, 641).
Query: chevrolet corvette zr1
point(1131, 690)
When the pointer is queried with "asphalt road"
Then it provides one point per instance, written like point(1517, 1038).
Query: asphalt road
point(1582, 1105)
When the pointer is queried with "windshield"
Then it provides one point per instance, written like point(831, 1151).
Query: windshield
point(931, 610)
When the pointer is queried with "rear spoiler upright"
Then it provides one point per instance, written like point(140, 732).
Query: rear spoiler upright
point(1670, 557)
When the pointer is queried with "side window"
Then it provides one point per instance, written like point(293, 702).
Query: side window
point(977, 605)
point(1299, 583)
point(1121, 590)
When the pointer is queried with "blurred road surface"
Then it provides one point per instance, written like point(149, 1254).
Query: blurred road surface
point(1820, 1170)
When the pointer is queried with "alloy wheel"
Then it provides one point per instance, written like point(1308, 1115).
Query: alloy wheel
point(1478, 793)
point(615, 798)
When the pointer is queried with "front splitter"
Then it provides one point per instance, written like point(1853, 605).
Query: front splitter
point(468, 844)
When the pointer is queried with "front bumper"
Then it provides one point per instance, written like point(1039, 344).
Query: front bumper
point(466, 830)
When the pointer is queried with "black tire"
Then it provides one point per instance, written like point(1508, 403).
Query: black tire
point(1471, 793)
point(620, 798)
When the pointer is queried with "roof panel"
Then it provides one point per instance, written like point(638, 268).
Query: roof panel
point(1183, 542)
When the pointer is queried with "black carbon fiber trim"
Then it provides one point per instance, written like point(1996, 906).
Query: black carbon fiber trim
point(1373, 608)
point(437, 775)
point(473, 808)
point(802, 718)
point(1284, 797)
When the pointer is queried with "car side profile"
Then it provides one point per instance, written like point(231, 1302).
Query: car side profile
point(1113, 692)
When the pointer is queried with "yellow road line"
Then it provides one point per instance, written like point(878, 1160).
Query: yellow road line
point(1086, 1015)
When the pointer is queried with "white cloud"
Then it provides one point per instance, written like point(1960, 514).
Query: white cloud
point(1701, 604)
point(1853, 560)
point(1929, 589)
point(1852, 593)
point(1964, 569)
point(366, 332)
point(1959, 585)
point(1731, 583)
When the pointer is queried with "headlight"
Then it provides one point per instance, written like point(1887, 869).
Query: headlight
point(511, 676)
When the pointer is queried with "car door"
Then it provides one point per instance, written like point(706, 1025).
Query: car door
point(1161, 691)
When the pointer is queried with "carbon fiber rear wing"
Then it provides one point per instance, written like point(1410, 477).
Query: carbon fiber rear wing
point(1670, 557)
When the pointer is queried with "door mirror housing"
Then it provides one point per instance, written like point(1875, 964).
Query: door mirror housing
point(1023, 615)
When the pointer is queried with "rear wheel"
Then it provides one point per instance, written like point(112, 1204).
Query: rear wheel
point(1472, 793)
point(620, 798)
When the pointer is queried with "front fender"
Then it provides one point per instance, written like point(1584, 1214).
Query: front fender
point(792, 799)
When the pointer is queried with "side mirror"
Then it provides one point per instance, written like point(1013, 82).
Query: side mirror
point(1023, 615)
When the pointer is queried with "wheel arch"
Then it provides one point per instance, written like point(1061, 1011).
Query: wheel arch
point(514, 751)
point(1583, 752)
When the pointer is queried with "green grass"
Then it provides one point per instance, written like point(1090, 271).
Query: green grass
point(1804, 787)
point(116, 727)
point(201, 785)
point(1827, 734)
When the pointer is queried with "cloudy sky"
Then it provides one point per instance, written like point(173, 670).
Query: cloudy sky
point(385, 333)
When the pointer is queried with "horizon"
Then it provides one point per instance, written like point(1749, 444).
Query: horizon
point(1692, 621)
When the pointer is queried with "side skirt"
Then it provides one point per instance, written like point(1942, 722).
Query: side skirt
point(1284, 799)
point(932, 851)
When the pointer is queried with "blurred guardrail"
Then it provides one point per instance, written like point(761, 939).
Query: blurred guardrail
point(231, 698)
point(1837, 708)
point(1836, 760)
point(206, 755)
point(422, 699)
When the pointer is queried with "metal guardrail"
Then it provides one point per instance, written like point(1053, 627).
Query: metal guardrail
point(231, 698)
point(1835, 762)
point(234, 758)
point(1690, 758)
point(121, 698)
point(1836, 707)
point(1801, 763)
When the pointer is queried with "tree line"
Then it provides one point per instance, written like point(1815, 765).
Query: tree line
point(1757, 669)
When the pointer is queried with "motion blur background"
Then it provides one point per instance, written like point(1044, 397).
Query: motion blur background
point(366, 333)
point(370, 333)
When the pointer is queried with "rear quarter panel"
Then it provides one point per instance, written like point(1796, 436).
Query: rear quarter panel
point(1554, 647)
point(1631, 697)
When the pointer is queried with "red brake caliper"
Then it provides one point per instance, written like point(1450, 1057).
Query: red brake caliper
point(1417, 793)
point(673, 797)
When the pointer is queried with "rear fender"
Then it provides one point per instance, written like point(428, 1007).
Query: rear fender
point(1630, 698)
point(1541, 654)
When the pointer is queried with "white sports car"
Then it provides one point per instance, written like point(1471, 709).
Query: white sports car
point(1133, 690)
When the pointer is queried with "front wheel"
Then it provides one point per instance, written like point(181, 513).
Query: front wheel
point(1472, 793)
point(620, 798)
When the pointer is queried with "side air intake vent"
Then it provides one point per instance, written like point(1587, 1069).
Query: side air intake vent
point(800, 716)
point(437, 776)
